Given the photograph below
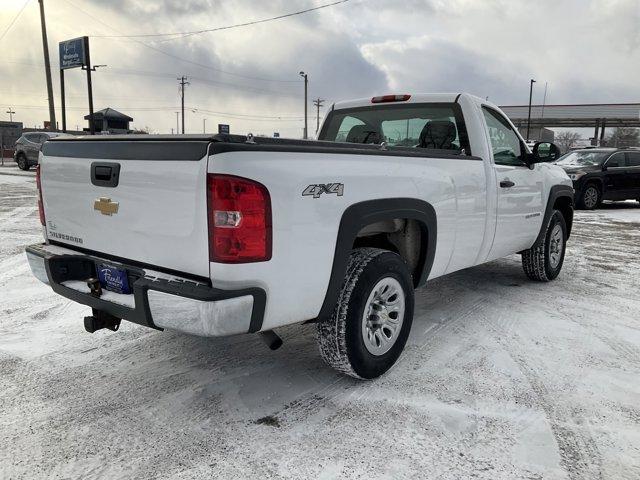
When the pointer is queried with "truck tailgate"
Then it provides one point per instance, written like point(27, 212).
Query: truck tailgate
point(156, 214)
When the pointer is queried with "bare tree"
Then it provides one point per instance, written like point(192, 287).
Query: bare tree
point(624, 137)
point(565, 140)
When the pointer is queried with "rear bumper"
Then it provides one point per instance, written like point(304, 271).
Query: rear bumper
point(158, 300)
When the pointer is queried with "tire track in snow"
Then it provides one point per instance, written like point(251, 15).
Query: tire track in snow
point(13, 267)
point(579, 453)
point(308, 404)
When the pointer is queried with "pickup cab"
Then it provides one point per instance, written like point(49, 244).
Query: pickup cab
point(227, 234)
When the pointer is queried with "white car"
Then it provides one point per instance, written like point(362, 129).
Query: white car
point(222, 235)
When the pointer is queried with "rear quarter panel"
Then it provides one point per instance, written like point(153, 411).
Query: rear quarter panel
point(305, 229)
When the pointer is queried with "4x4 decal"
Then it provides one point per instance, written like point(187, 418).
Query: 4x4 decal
point(319, 189)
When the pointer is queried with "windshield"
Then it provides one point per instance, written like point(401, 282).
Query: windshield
point(583, 158)
point(433, 126)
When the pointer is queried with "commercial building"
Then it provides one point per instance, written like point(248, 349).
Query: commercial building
point(109, 120)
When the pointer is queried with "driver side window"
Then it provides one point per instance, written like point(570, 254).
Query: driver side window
point(505, 143)
point(616, 160)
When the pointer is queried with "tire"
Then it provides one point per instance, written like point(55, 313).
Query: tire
point(544, 262)
point(591, 197)
point(23, 163)
point(377, 288)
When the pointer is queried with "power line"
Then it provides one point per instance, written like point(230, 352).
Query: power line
point(239, 116)
point(14, 19)
point(149, 73)
point(176, 57)
point(177, 35)
point(143, 73)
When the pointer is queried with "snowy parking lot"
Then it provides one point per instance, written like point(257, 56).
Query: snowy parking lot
point(501, 378)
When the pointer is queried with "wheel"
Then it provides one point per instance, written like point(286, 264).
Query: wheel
point(590, 198)
point(369, 326)
point(544, 262)
point(23, 163)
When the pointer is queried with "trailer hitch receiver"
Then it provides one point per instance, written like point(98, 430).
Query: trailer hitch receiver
point(100, 320)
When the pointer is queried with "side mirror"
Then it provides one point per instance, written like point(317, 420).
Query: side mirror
point(545, 152)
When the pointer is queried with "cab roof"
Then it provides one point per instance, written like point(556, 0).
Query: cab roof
point(414, 98)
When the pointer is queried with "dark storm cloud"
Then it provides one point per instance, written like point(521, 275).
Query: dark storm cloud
point(588, 51)
point(162, 8)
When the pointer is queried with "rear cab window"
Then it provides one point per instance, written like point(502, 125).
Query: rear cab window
point(435, 126)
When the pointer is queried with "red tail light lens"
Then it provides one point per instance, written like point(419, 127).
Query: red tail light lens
point(239, 220)
point(390, 98)
point(40, 204)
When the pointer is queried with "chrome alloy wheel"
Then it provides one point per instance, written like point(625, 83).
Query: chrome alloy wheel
point(556, 241)
point(383, 316)
point(590, 197)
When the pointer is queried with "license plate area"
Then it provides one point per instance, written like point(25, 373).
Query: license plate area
point(113, 279)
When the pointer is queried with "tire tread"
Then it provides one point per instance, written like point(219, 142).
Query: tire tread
point(331, 332)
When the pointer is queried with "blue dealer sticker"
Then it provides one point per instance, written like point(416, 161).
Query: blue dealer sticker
point(113, 279)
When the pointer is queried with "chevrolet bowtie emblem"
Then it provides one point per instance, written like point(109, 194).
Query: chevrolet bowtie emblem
point(105, 206)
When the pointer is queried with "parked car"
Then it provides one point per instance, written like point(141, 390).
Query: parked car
point(603, 174)
point(28, 147)
point(225, 234)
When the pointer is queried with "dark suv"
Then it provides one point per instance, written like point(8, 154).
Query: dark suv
point(28, 148)
point(603, 174)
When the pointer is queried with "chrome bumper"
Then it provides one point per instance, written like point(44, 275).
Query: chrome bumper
point(158, 300)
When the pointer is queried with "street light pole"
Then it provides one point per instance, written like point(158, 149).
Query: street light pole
point(204, 125)
point(529, 115)
point(306, 87)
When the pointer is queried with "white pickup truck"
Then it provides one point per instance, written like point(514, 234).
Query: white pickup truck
point(217, 235)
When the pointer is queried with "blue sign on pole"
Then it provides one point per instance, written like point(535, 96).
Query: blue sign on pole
point(72, 54)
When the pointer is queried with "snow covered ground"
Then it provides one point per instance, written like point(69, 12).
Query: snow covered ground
point(502, 378)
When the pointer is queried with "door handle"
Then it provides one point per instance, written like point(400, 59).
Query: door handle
point(506, 184)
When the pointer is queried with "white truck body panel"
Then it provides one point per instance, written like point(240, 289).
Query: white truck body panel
point(304, 225)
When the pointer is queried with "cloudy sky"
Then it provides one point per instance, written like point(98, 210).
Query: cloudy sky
point(586, 50)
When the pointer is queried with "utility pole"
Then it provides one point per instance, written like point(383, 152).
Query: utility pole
point(183, 82)
point(318, 103)
point(87, 67)
point(47, 67)
point(10, 112)
point(529, 115)
point(306, 87)
point(204, 125)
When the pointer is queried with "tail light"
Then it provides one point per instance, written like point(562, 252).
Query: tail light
point(390, 98)
point(40, 204)
point(239, 220)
